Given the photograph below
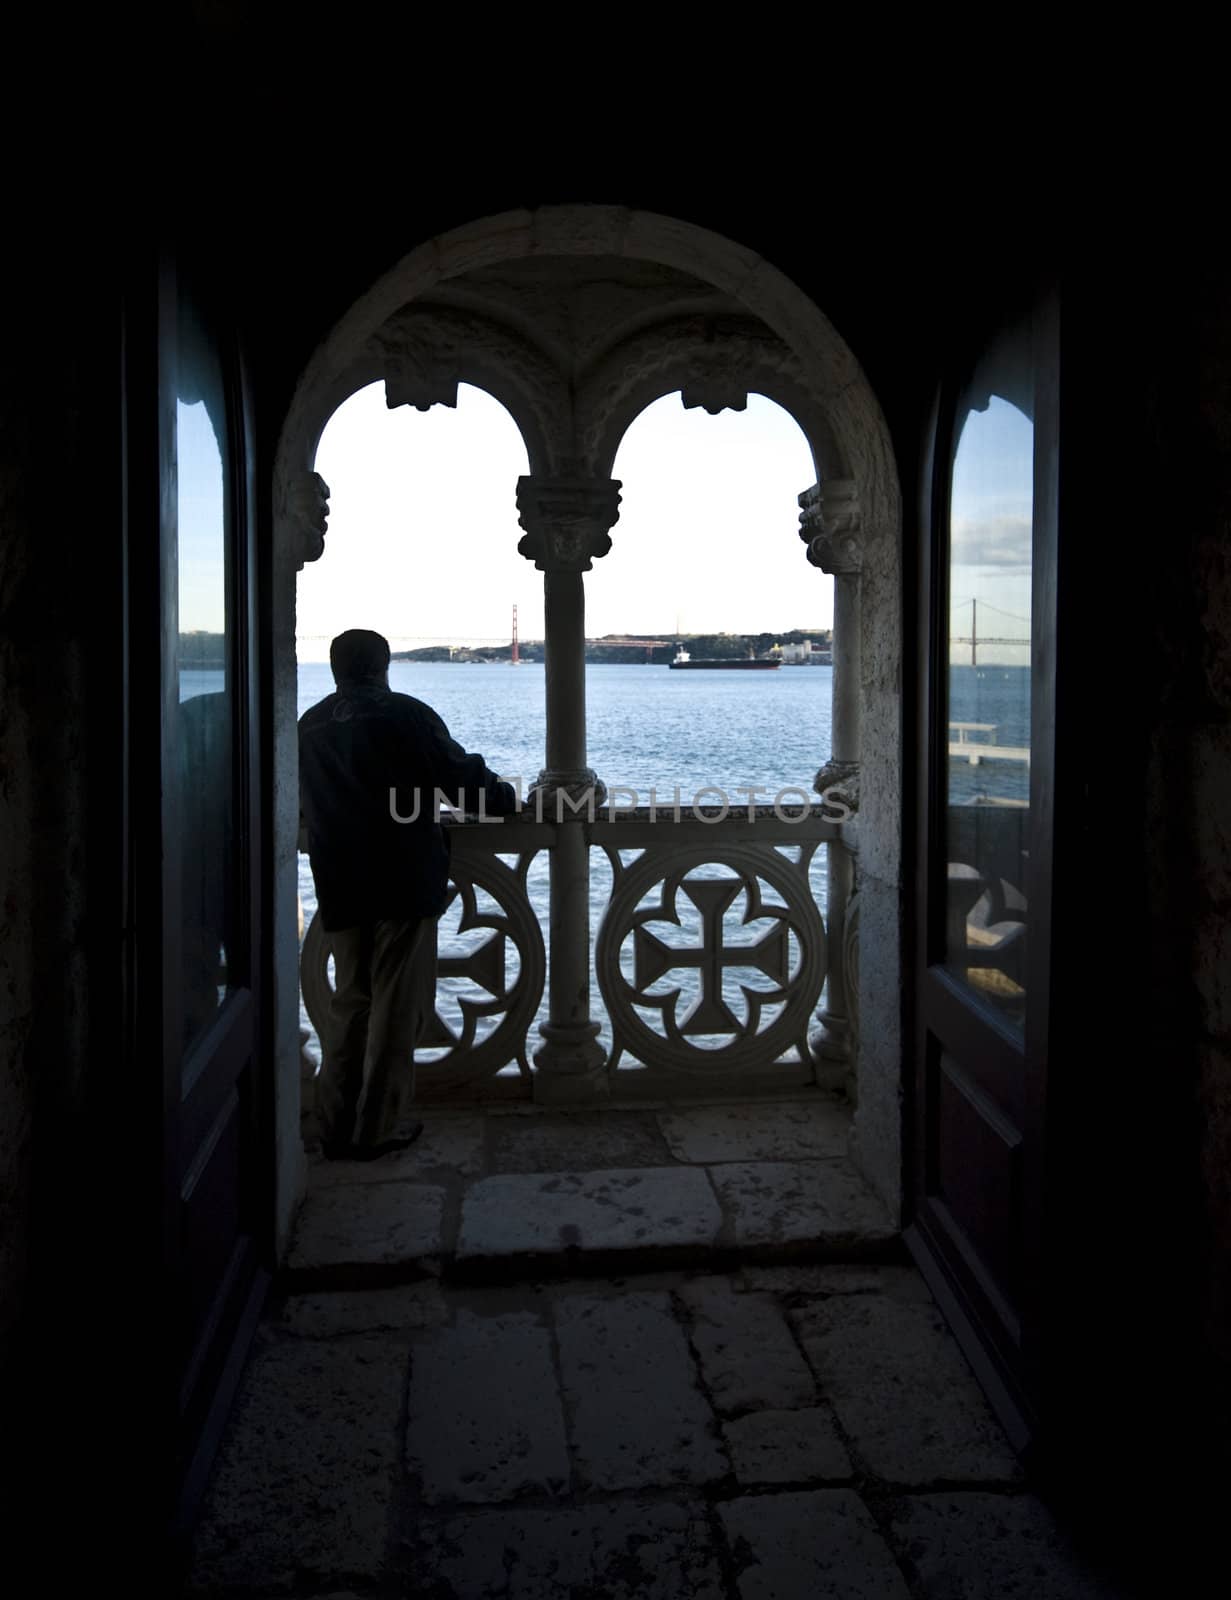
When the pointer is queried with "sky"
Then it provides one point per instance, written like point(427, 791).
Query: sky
point(991, 530)
point(201, 510)
point(422, 539)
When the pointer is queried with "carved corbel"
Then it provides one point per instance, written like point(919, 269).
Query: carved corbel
point(716, 381)
point(566, 520)
point(306, 509)
point(838, 781)
point(831, 524)
point(420, 372)
point(809, 514)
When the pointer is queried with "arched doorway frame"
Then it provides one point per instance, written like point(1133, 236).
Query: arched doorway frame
point(855, 432)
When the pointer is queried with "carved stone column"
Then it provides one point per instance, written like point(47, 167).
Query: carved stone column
point(566, 522)
point(830, 522)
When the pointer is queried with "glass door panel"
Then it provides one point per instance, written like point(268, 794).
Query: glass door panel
point(988, 678)
point(986, 713)
point(216, 1150)
point(204, 730)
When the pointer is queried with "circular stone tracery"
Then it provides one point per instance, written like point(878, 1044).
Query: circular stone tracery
point(467, 1058)
point(713, 897)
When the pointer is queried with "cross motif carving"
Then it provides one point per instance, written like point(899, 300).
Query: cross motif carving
point(712, 897)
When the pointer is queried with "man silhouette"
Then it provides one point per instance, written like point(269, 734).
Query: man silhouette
point(368, 760)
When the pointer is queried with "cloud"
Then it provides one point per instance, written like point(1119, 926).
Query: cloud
point(1001, 541)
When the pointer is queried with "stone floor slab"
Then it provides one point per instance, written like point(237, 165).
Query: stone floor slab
point(637, 1415)
point(749, 1358)
point(903, 1393)
point(787, 1131)
point(323, 1316)
point(818, 1545)
point(453, 1144)
point(785, 1202)
point(838, 1277)
point(484, 1422)
point(368, 1225)
point(576, 1141)
point(965, 1546)
point(787, 1447)
point(638, 1209)
point(633, 1550)
point(305, 1473)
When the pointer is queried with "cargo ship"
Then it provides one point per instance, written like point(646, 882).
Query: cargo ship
point(684, 662)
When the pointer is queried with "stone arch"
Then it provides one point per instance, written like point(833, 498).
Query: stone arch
point(859, 439)
point(427, 351)
point(859, 430)
point(716, 364)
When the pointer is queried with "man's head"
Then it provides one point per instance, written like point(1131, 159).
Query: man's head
point(359, 656)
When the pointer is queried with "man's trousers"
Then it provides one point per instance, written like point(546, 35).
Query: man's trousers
point(383, 998)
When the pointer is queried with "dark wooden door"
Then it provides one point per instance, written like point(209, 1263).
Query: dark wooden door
point(986, 714)
point(203, 984)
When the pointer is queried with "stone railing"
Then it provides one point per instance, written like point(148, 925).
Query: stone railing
point(490, 863)
point(710, 954)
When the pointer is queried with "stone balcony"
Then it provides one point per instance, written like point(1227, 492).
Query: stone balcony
point(711, 1125)
point(714, 1123)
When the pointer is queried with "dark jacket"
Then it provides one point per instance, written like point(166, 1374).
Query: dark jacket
point(354, 747)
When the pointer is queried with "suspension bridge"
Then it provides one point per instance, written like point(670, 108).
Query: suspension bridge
point(975, 742)
point(974, 638)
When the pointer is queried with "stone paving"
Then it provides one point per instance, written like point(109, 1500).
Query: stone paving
point(722, 1425)
point(517, 1190)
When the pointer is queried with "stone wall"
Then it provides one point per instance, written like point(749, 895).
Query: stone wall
point(52, 506)
point(1189, 802)
point(1140, 1065)
point(16, 872)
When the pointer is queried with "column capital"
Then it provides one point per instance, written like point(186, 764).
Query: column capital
point(567, 520)
point(831, 524)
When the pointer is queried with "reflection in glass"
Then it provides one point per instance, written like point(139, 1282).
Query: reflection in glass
point(988, 773)
point(202, 742)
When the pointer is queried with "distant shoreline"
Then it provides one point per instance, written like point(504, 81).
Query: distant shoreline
point(629, 649)
point(532, 661)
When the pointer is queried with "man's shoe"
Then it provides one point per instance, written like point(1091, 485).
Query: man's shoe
point(371, 1152)
point(387, 1147)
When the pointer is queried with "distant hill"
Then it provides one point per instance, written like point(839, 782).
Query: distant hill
point(711, 646)
point(531, 650)
point(705, 646)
